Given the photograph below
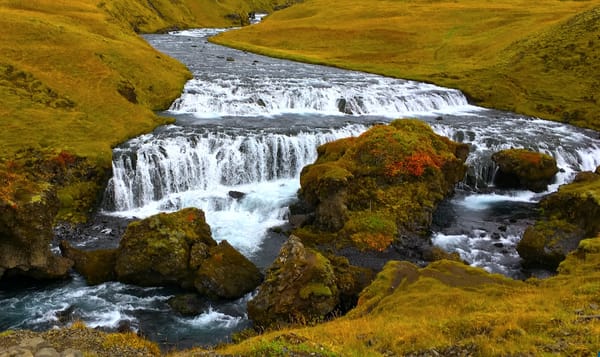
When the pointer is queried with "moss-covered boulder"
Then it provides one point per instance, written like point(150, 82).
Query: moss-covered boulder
point(381, 187)
point(163, 249)
point(226, 273)
point(97, 266)
point(303, 286)
point(569, 215)
point(178, 249)
point(25, 236)
point(520, 168)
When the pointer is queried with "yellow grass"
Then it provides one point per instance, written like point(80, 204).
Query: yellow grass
point(541, 58)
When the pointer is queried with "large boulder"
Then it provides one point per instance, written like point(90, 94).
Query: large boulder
point(520, 168)
point(303, 286)
point(379, 188)
point(569, 215)
point(164, 249)
point(178, 249)
point(170, 249)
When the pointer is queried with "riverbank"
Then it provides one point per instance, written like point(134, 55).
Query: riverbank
point(537, 59)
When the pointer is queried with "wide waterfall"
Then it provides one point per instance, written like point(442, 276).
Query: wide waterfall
point(175, 160)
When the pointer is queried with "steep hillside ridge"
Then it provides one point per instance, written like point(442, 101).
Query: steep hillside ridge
point(539, 58)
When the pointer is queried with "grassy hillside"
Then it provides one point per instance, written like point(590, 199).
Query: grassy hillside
point(77, 79)
point(540, 58)
point(450, 309)
point(74, 75)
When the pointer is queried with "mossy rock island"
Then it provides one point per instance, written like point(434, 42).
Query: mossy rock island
point(171, 249)
point(524, 169)
point(569, 215)
point(380, 188)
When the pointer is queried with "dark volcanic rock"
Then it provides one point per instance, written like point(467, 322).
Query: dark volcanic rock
point(96, 266)
point(226, 273)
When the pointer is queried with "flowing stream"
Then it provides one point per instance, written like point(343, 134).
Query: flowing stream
point(245, 127)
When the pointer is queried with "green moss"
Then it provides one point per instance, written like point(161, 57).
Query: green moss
point(6, 333)
point(389, 179)
point(315, 290)
point(285, 345)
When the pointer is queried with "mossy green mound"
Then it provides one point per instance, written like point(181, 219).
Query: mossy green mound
point(378, 188)
point(540, 58)
point(521, 168)
point(158, 250)
point(304, 286)
point(568, 215)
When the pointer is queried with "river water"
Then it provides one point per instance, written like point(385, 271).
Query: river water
point(249, 123)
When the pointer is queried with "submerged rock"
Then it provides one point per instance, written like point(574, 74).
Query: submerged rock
point(188, 304)
point(520, 168)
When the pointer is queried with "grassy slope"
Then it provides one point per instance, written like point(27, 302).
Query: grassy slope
point(540, 58)
point(75, 77)
point(449, 307)
point(63, 62)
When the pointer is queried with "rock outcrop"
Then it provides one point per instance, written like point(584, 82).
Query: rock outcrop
point(380, 188)
point(303, 286)
point(520, 168)
point(171, 249)
point(569, 215)
point(25, 236)
point(37, 188)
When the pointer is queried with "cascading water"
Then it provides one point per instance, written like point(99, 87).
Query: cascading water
point(245, 127)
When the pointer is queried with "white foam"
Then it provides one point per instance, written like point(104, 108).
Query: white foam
point(214, 319)
point(484, 201)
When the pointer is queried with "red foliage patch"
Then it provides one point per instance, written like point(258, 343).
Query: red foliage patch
point(190, 217)
point(414, 165)
point(65, 158)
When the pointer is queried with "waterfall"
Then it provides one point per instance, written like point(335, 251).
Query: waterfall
point(573, 149)
point(152, 167)
point(253, 96)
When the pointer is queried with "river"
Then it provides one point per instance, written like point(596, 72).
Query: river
point(249, 123)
